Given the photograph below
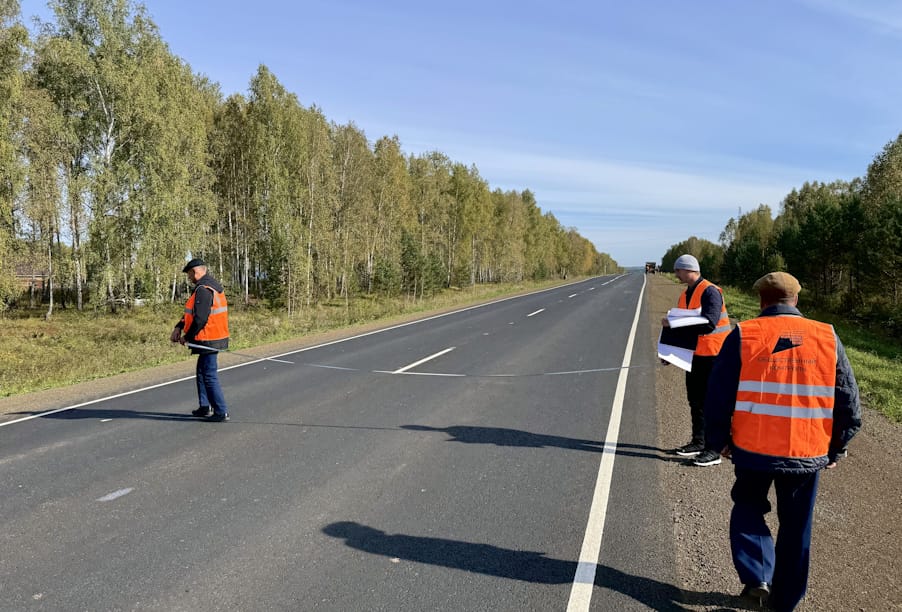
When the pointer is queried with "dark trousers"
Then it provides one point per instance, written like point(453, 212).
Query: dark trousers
point(209, 393)
point(696, 388)
point(784, 566)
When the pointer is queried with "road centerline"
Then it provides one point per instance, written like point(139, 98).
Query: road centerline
point(423, 360)
point(535, 313)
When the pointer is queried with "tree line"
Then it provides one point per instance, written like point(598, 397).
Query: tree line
point(117, 161)
point(842, 240)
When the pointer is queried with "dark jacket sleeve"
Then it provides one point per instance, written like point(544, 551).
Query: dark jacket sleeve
point(712, 303)
point(723, 384)
point(203, 304)
point(846, 405)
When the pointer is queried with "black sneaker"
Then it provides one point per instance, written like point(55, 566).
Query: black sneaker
point(706, 458)
point(219, 418)
point(203, 412)
point(757, 593)
point(690, 450)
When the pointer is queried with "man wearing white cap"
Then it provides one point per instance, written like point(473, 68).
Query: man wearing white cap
point(708, 338)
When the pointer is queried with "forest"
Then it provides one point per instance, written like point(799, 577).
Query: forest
point(842, 240)
point(118, 163)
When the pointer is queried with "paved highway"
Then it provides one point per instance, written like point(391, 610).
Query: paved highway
point(456, 463)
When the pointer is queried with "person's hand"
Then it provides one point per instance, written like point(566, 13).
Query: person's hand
point(726, 452)
point(183, 340)
point(665, 322)
point(175, 335)
point(832, 458)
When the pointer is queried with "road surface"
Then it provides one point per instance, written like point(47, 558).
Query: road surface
point(455, 463)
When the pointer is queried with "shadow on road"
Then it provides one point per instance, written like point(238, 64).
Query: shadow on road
point(87, 413)
point(527, 566)
point(500, 436)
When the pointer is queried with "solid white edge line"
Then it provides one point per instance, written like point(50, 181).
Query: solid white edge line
point(95, 401)
point(308, 348)
point(422, 361)
point(584, 579)
point(535, 313)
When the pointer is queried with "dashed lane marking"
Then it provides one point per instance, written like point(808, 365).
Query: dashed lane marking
point(115, 495)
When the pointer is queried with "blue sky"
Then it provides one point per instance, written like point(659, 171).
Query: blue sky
point(638, 123)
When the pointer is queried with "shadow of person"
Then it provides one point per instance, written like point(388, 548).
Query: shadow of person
point(500, 436)
point(101, 413)
point(526, 566)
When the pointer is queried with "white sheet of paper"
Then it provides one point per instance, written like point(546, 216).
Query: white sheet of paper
point(684, 321)
point(680, 357)
point(684, 312)
point(682, 317)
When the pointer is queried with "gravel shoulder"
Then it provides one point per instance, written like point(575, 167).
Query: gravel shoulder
point(857, 538)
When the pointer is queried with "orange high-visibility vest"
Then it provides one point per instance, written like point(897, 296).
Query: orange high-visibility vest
point(784, 406)
point(708, 344)
point(217, 327)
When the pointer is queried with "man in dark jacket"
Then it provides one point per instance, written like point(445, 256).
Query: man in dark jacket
point(783, 404)
point(206, 329)
point(705, 339)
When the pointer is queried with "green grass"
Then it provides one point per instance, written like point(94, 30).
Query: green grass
point(74, 347)
point(876, 360)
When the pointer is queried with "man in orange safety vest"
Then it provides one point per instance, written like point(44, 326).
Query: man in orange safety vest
point(783, 404)
point(205, 326)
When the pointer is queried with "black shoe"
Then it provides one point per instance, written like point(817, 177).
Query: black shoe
point(690, 450)
point(706, 458)
point(203, 412)
point(757, 593)
point(219, 418)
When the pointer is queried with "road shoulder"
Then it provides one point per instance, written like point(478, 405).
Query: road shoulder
point(857, 538)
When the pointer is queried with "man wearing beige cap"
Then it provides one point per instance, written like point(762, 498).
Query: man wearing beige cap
point(783, 404)
point(706, 339)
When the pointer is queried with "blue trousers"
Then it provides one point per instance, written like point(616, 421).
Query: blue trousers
point(209, 393)
point(757, 559)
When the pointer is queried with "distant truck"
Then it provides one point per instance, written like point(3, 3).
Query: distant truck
point(651, 267)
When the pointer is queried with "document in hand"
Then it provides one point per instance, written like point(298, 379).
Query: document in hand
point(683, 317)
point(680, 356)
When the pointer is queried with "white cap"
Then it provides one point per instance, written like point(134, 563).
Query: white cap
point(687, 262)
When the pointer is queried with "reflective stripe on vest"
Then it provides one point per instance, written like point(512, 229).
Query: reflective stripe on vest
point(784, 402)
point(217, 326)
point(708, 344)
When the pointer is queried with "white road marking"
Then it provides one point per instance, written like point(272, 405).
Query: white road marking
point(115, 495)
point(105, 420)
point(420, 374)
point(535, 313)
point(572, 296)
point(423, 360)
point(273, 359)
point(591, 288)
point(584, 580)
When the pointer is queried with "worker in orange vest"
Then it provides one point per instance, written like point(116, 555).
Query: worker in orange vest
point(205, 326)
point(707, 339)
point(783, 404)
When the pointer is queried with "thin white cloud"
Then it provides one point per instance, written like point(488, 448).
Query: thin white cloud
point(884, 15)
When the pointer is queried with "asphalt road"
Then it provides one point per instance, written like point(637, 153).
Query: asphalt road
point(465, 482)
